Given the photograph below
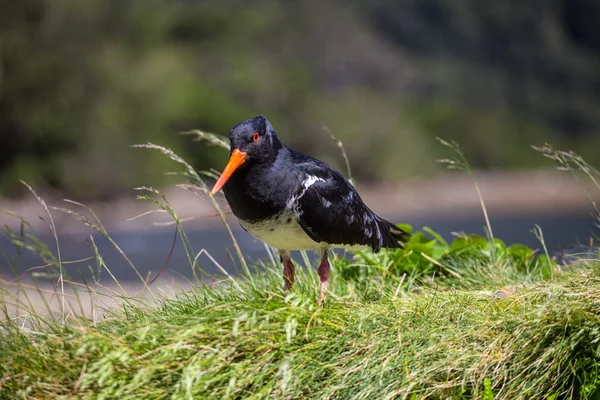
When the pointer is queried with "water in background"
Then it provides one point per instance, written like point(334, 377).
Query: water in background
point(148, 249)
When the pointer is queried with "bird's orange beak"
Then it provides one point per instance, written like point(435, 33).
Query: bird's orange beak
point(237, 158)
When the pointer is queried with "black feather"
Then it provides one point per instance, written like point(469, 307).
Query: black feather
point(331, 211)
point(392, 236)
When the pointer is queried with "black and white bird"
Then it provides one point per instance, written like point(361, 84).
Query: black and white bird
point(292, 201)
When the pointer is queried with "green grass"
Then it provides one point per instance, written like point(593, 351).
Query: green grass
point(468, 319)
point(532, 340)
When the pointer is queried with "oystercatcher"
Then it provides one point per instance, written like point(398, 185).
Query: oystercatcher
point(292, 201)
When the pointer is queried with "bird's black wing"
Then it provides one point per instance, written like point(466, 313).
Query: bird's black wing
point(330, 210)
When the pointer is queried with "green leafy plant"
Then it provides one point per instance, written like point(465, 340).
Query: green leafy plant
point(488, 394)
point(428, 254)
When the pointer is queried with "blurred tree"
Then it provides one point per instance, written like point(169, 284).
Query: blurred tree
point(82, 81)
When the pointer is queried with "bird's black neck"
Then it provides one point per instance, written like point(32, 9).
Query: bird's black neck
point(258, 191)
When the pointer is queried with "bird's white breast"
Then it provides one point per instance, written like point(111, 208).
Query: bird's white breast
point(281, 232)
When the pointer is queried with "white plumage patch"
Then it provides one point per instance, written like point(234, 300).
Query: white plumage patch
point(308, 182)
point(280, 233)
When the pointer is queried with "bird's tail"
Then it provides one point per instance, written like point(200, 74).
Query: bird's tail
point(391, 236)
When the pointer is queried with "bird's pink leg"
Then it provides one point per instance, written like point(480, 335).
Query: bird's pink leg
point(288, 269)
point(324, 269)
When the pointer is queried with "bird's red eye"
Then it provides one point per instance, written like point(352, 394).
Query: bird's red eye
point(255, 137)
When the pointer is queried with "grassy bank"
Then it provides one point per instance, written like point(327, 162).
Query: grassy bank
point(371, 340)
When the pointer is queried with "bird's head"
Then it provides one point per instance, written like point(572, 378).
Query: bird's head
point(252, 141)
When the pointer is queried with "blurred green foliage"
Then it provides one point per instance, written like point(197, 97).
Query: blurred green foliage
point(426, 253)
point(82, 81)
